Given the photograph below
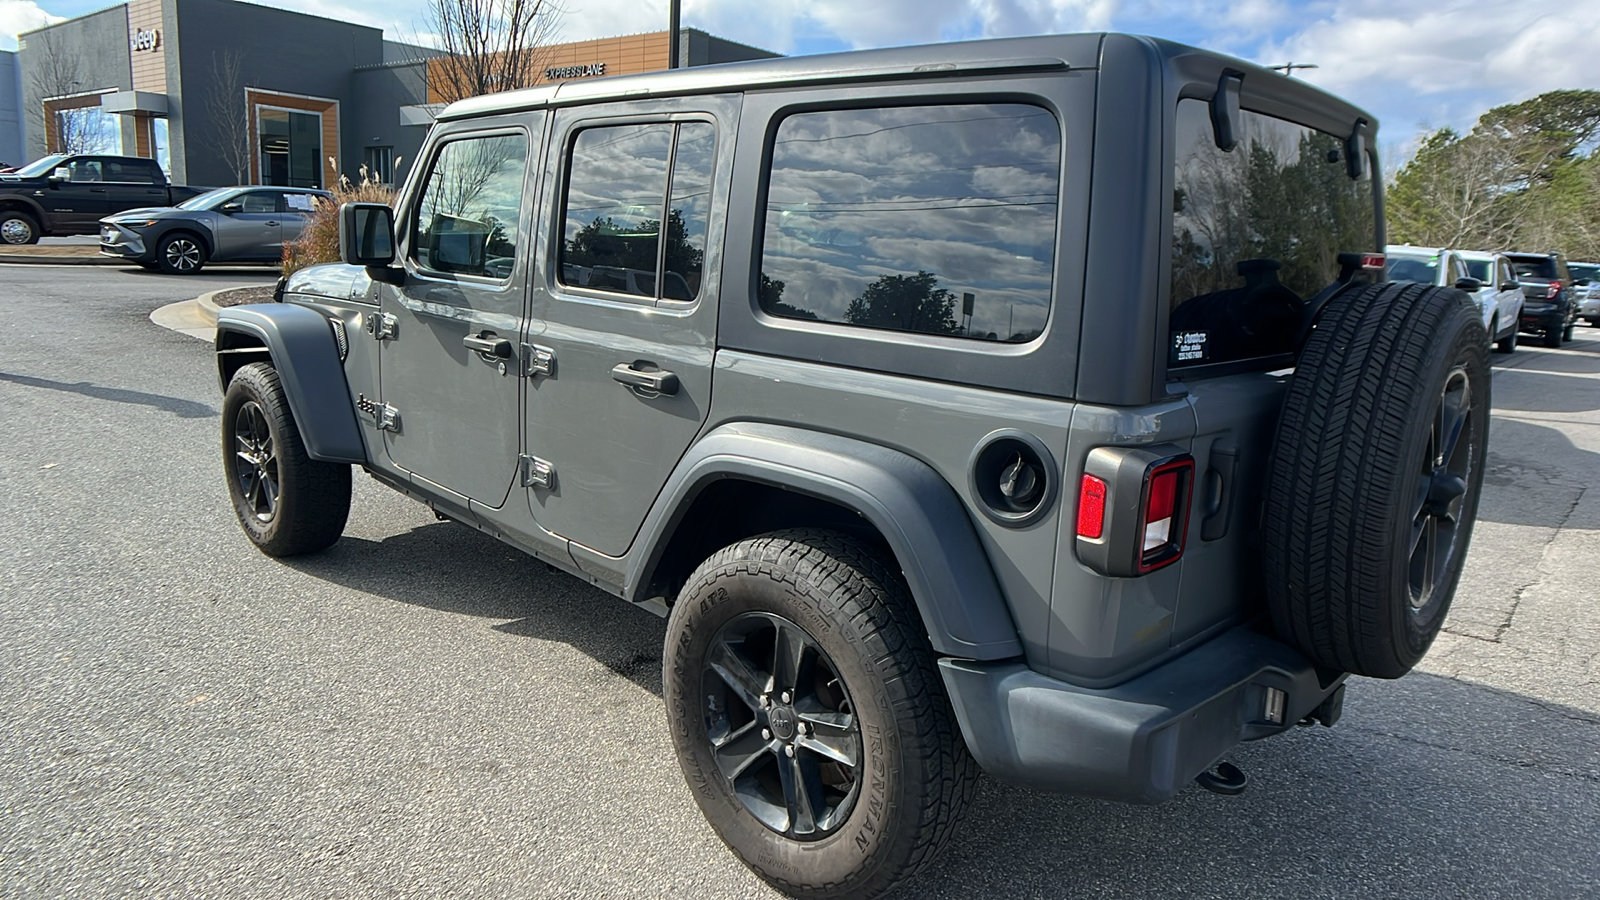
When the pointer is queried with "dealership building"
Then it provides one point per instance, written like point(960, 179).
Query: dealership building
point(222, 92)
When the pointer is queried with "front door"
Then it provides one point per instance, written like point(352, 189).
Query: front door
point(450, 370)
point(626, 307)
point(252, 230)
point(80, 201)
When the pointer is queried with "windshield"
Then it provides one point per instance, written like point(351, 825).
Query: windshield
point(39, 166)
point(1411, 268)
point(1479, 269)
point(209, 199)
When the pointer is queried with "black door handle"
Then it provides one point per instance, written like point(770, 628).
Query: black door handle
point(488, 345)
point(97, 190)
point(271, 224)
point(652, 380)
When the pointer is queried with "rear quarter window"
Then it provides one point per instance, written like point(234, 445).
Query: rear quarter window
point(1256, 233)
point(928, 219)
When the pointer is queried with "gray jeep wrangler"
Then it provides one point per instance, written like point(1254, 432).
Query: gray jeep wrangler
point(1029, 406)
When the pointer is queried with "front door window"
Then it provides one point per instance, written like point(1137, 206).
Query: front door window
point(291, 147)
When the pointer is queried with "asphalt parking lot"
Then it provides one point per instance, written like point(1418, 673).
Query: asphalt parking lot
point(422, 712)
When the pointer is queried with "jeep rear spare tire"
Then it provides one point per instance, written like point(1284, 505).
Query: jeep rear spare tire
point(809, 717)
point(1378, 462)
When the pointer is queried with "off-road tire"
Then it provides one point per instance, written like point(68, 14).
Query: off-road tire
point(1354, 481)
point(1507, 344)
point(915, 774)
point(312, 498)
point(17, 228)
point(181, 253)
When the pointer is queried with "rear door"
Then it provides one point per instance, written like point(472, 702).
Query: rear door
point(1256, 234)
point(451, 358)
point(624, 309)
point(134, 183)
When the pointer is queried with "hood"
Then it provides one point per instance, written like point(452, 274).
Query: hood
point(147, 212)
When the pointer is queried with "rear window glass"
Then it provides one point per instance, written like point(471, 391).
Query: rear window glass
point(1583, 271)
point(927, 219)
point(1537, 267)
point(1256, 232)
point(1416, 268)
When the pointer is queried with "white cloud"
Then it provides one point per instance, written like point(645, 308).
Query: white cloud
point(17, 16)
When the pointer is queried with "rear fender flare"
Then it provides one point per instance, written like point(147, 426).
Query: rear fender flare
point(300, 342)
point(913, 507)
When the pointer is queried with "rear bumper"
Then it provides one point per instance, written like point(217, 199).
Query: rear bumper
point(1141, 741)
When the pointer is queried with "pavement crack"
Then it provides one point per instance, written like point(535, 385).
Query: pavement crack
point(1578, 774)
point(1516, 598)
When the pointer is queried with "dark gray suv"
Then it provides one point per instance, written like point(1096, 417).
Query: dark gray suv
point(1033, 406)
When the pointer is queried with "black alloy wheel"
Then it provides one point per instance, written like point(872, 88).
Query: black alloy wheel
point(1441, 491)
point(781, 725)
point(255, 464)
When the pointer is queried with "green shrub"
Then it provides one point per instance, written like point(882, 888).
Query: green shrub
point(319, 240)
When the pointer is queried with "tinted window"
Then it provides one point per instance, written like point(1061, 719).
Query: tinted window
point(260, 202)
point(467, 220)
point(86, 170)
point(1412, 268)
point(1256, 232)
point(1536, 267)
point(1583, 271)
point(618, 184)
point(132, 171)
point(1479, 269)
point(936, 219)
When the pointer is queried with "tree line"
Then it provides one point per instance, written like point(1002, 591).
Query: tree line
point(1526, 177)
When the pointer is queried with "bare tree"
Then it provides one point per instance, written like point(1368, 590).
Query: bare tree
point(53, 71)
point(224, 102)
point(489, 45)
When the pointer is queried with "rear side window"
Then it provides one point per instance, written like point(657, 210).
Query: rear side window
point(1257, 232)
point(467, 218)
point(926, 219)
point(620, 180)
point(132, 171)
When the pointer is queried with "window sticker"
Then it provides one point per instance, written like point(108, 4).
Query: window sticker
point(299, 202)
point(1190, 346)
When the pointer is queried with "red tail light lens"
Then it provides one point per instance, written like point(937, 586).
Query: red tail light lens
point(1373, 260)
point(1091, 508)
point(1166, 514)
point(1555, 288)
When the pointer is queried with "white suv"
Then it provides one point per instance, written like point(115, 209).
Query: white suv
point(1586, 287)
point(1496, 293)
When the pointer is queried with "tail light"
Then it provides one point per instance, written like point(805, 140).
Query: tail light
point(1165, 523)
point(1555, 288)
point(1133, 509)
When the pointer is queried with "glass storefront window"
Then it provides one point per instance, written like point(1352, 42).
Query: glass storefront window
point(160, 148)
point(88, 129)
point(291, 147)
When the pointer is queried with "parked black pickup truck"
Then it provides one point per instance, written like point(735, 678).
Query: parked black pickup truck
point(61, 194)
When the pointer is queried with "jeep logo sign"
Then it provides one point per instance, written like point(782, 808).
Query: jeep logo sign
point(145, 39)
point(556, 73)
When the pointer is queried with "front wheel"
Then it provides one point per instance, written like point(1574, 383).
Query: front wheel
point(180, 254)
point(809, 717)
point(1566, 334)
point(287, 502)
point(18, 228)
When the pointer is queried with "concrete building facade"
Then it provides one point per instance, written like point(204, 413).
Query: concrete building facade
point(224, 92)
point(11, 149)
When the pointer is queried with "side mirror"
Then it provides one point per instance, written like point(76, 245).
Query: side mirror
point(62, 173)
point(1470, 285)
point(1511, 286)
point(366, 234)
point(230, 207)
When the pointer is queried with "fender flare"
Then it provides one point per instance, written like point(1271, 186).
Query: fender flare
point(917, 512)
point(29, 206)
point(300, 342)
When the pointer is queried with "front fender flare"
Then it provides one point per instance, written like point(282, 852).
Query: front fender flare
point(917, 512)
point(303, 350)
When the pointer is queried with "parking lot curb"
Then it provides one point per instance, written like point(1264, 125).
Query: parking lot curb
point(43, 260)
point(197, 317)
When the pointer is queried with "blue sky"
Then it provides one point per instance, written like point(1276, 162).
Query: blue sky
point(1416, 64)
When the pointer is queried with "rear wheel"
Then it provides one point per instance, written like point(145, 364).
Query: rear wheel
point(287, 502)
point(809, 718)
point(1552, 335)
point(180, 253)
point(1377, 467)
point(1566, 334)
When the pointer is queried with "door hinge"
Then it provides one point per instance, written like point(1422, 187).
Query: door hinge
point(386, 417)
point(537, 472)
point(382, 326)
point(538, 360)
